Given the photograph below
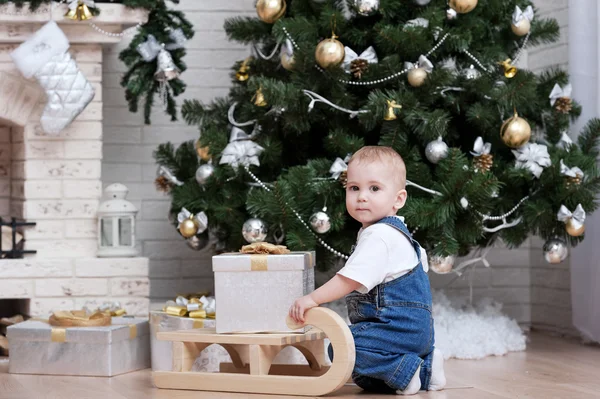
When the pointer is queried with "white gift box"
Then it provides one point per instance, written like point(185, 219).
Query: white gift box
point(254, 292)
point(36, 347)
point(210, 358)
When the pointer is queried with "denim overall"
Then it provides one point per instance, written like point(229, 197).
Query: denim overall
point(392, 327)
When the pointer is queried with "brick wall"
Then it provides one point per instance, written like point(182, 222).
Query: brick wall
point(519, 278)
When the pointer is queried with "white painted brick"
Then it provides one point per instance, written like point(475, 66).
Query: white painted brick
point(137, 306)
point(4, 134)
point(511, 277)
point(83, 149)
point(71, 287)
point(200, 267)
point(129, 153)
point(164, 268)
point(37, 149)
point(122, 134)
point(155, 210)
point(129, 287)
point(73, 248)
point(45, 307)
point(82, 189)
point(62, 169)
point(111, 267)
point(81, 228)
point(16, 288)
point(482, 277)
point(37, 189)
point(178, 134)
point(46, 230)
point(551, 296)
point(120, 116)
point(551, 278)
point(23, 268)
point(17, 170)
point(78, 130)
point(124, 173)
point(156, 230)
point(520, 312)
point(58, 209)
point(145, 190)
point(170, 288)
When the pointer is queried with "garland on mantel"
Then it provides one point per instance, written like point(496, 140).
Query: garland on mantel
point(139, 80)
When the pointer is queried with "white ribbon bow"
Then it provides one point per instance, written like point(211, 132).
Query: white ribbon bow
point(74, 3)
point(337, 168)
point(534, 157)
point(564, 214)
point(151, 47)
point(287, 48)
point(565, 141)
point(479, 148)
point(571, 172)
point(368, 55)
point(558, 92)
point(209, 304)
point(413, 23)
point(110, 306)
point(241, 150)
point(519, 15)
point(422, 63)
point(201, 219)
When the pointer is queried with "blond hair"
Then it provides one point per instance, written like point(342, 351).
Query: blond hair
point(384, 154)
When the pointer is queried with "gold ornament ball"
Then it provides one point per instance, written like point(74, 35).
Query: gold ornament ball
point(270, 11)
point(417, 76)
point(522, 28)
point(574, 229)
point(287, 61)
point(515, 131)
point(188, 228)
point(462, 6)
point(330, 52)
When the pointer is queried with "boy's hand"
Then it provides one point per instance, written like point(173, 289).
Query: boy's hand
point(300, 306)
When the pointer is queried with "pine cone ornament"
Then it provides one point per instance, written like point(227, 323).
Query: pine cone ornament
point(358, 67)
point(344, 178)
point(563, 105)
point(162, 184)
point(573, 181)
point(483, 162)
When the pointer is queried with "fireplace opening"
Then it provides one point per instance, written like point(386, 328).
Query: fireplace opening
point(12, 311)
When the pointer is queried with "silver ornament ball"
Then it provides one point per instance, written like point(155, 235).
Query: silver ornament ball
point(442, 264)
point(198, 242)
point(254, 230)
point(555, 250)
point(471, 73)
point(366, 7)
point(422, 2)
point(320, 222)
point(204, 172)
point(436, 150)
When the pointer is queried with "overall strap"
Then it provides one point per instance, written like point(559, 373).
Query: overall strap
point(399, 225)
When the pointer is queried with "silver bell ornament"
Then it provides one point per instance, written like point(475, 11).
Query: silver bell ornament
point(254, 230)
point(166, 70)
point(320, 222)
point(204, 172)
point(198, 242)
point(442, 264)
point(366, 7)
point(436, 150)
point(555, 250)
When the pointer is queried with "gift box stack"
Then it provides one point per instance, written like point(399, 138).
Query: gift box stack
point(79, 343)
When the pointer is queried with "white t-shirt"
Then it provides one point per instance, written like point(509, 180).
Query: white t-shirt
point(382, 254)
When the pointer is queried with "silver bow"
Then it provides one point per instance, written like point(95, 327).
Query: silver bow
point(151, 47)
point(287, 48)
point(422, 63)
point(519, 15)
point(565, 141)
point(209, 304)
point(164, 171)
point(479, 148)
point(337, 168)
point(564, 214)
point(571, 172)
point(558, 92)
point(368, 55)
point(413, 23)
point(241, 150)
point(201, 219)
point(451, 13)
point(534, 157)
point(74, 3)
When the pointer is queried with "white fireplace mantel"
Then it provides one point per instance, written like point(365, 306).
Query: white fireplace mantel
point(55, 181)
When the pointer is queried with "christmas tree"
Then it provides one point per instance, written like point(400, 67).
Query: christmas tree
point(485, 143)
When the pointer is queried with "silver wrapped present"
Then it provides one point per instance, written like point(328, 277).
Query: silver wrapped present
point(255, 291)
point(210, 358)
point(38, 348)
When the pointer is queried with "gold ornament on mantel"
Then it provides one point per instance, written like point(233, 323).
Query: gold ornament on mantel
point(270, 11)
point(509, 70)
point(574, 222)
point(79, 10)
point(390, 114)
point(462, 6)
point(188, 227)
point(242, 73)
point(259, 98)
point(515, 131)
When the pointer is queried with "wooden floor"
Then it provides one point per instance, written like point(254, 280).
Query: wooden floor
point(550, 368)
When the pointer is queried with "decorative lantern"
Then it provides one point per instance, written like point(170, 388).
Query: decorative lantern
point(116, 224)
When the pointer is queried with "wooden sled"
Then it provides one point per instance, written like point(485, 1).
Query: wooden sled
point(252, 355)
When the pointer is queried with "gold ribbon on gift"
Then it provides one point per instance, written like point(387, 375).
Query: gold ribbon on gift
point(79, 318)
point(132, 331)
point(191, 307)
point(58, 335)
point(259, 251)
